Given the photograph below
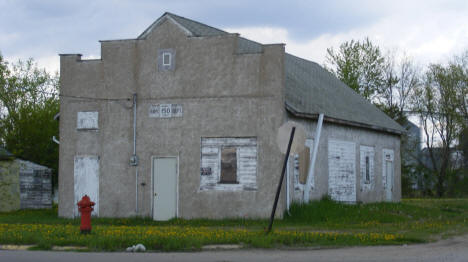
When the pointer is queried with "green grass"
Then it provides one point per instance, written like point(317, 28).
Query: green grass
point(320, 223)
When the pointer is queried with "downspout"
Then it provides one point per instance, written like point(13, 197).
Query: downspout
point(56, 117)
point(134, 158)
point(314, 157)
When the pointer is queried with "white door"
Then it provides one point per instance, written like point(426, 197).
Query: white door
point(342, 170)
point(86, 181)
point(164, 188)
point(388, 173)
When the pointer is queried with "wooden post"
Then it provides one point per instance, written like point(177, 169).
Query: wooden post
point(278, 190)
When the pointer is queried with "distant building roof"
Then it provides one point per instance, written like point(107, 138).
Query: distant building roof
point(310, 89)
point(5, 155)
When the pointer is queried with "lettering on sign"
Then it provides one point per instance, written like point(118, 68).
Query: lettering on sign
point(165, 110)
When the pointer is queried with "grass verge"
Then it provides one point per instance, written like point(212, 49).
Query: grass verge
point(321, 223)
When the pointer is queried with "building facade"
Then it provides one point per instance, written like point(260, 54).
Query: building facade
point(182, 122)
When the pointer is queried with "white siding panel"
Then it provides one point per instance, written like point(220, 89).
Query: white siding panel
point(246, 149)
point(387, 155)
point(86, 181)
point(342, 170)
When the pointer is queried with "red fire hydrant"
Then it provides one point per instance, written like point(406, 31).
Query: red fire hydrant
point(85, 206)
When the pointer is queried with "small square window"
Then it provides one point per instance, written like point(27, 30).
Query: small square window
point(167, 59)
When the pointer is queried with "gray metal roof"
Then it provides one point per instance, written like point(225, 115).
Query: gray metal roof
point(311, 90)
point(197, 29)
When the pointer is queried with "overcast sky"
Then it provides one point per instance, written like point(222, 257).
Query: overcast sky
point(428, 31)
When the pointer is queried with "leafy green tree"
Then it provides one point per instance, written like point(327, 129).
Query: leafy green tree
point(28, 103)
point(360, 65)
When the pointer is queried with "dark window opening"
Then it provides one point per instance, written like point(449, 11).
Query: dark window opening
point(228, 165)
point(367, 170)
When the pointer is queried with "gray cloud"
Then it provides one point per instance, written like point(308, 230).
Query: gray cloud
point(39, 28)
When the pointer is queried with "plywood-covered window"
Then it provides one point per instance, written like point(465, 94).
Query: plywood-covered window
point(228, 163)
point(342, 170)
point(86, 180)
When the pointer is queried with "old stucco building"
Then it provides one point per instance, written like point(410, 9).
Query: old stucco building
point(182, 122)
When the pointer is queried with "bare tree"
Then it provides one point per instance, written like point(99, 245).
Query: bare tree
point(401, 77)
point(437, 104)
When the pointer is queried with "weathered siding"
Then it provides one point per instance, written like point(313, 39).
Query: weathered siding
point(366, 139)
point(36, 189)
point(246, 151)
point(9, 186)
point(35, 185)
point(342, 170)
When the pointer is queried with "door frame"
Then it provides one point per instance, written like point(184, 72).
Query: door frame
point(152, 183)
point(388, 187)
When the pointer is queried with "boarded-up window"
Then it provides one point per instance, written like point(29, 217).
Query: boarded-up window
point(341, 170)
point(304, 162)
point(86, 180)
point(228, 165)
point(366, 166)
point(87, 121)
point(301, 170)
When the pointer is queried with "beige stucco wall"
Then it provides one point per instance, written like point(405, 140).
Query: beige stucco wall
point(9, 185)
point(223, 94)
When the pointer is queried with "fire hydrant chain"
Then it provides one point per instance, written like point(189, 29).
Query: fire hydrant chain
point(85, 206)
